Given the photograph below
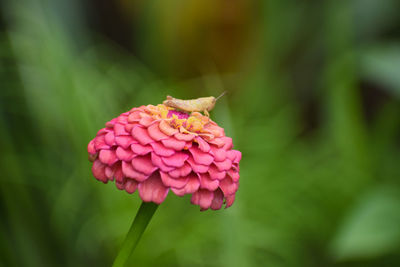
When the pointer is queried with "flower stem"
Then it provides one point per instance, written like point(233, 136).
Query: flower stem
point(138, 226)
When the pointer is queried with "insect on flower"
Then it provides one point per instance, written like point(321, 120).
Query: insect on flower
point(202, 104)
point(158, 149)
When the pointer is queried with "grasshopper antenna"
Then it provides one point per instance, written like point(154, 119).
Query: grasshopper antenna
point(221, 95)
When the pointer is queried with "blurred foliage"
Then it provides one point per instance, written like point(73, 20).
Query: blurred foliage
point(313, 104)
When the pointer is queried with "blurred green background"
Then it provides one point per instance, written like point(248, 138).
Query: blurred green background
point(313, 103)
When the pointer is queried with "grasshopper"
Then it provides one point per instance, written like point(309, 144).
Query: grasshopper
point(202, 104)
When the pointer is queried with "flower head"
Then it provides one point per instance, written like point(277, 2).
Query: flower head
point(154, 149)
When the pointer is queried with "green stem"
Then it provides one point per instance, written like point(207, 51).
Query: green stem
point(138, 226)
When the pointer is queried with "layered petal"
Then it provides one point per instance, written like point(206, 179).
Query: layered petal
point(203, 198)
point(203, 145)
point(161, 150)
point(124, 141)
point(198, 168)
point(129, 171)
point(227, 186)
point(191, 186)
point(207, 183)
point(141, 149)
point(141, 135)
point(167, 129)
point(110, 139)
point(108, 156)
point(201, 157)
point(176, 160)
point(157, 161)
point(218, 200)
point(143, 164)
point(124, 154)
point(173, 182)
point(182, 171)
point(99, 171)
point(119, 129)
point(155, 133)
point(173, 143)
point(153, 190)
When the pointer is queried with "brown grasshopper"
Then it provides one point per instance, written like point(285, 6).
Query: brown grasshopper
point(202, 104)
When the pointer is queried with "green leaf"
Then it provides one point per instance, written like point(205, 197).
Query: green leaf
point(372, 228)
point(382, 64)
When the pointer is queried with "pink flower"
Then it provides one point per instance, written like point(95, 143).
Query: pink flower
point(154, 149)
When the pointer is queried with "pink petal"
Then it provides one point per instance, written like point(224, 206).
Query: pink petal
point(146, 121)
point(203, 145)
point(91, 148)
point(223, 165)
point(199, 168)
point(218, 153)
point(157, 161)
point(100, 143)
point(140, 149)
point(228, 186)
point(192, 186)
point(108, 156)
point(114, 171)
point(207, 183)
point(124, 154)
point(203, 198)
point(130, 186)
point(98, 170)
point(201, 157)
point(167, 129)
point(119, 129)
point(174, 143)
point(181, 172)
point(179, 192)
point(109, 172)
point(229, 200)
point(173, 182)
point(153, 189)
point(130, 172)
point(219, 142)
point(123, 118)
point(124, 141)
point(109, 138)
point(176, 160)
point(103, 131)
point(111, 123)
point(215, 130)
point(234, 175)
point(129, 127)
point(120, 185)
point(143, 164)
point(206, 136)
point(155, 133)
point(161, 150)
point(218, 200)
point(216, 174)
point(227, 143)
point(118, 174)
point(141, 135)
point(238, 156)
point(184, 137)
point(231, 155)
point(134, 116)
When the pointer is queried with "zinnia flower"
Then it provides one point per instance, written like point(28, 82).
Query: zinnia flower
point(157, 148)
